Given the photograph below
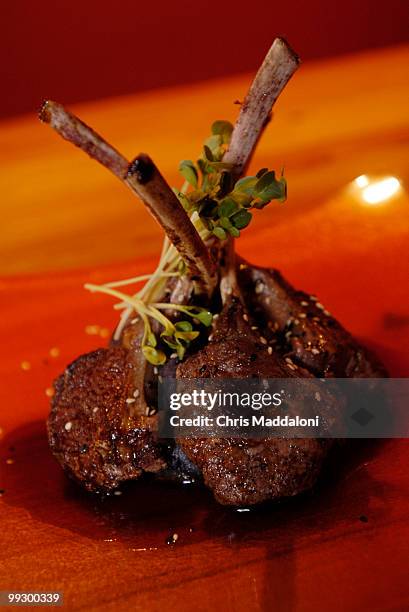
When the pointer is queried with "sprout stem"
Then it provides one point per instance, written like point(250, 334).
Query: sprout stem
point(138, 279)
point(138, 305)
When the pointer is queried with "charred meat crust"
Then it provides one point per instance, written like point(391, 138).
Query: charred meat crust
point(89, 428)
point(234, 350)
point(247, 472)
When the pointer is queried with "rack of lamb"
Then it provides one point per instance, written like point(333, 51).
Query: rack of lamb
point(203, 313)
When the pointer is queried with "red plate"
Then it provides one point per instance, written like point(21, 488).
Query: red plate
point(344, 546)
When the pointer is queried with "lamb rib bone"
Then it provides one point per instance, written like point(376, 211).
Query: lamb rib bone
point(273, 75)
point(144, 178)
point(155, 192)
point(77, 132)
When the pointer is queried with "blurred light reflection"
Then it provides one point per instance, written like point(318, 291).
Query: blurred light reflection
point(376, 190)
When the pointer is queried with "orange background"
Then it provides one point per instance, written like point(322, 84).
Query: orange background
point(74, 50)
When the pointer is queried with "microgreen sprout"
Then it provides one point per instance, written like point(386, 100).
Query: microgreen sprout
point(175, 336)
point(222, 204)
point(196, 312)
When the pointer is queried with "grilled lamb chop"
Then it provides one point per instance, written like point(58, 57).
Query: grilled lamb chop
point(103, 428)
point(250, 471)
point(303, 329)
point(92, 432)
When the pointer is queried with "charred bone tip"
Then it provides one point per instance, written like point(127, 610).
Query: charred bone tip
point(142, 167)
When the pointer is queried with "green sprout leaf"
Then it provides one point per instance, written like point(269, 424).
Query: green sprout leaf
point(225, 223)
point(188, 170)
point(269, 188)
point(185, 326)
point(241, 219)
point(204, 316)
point(228, 207)
point(265, 181)
point(218, 166)
point(243, 200)
point(208, 207)
point(181, 350)
point(208, 153)
point(233, 231)
point(151, 339)
point(261, 172)
point(214, 143)
point(246, 185)
point(220, 233)
point(224, 129)
point(187, 336)
point(284, 190)
point(225, 183)
point(154, 356)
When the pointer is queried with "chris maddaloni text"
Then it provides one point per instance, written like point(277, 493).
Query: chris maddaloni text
point(256, 420)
